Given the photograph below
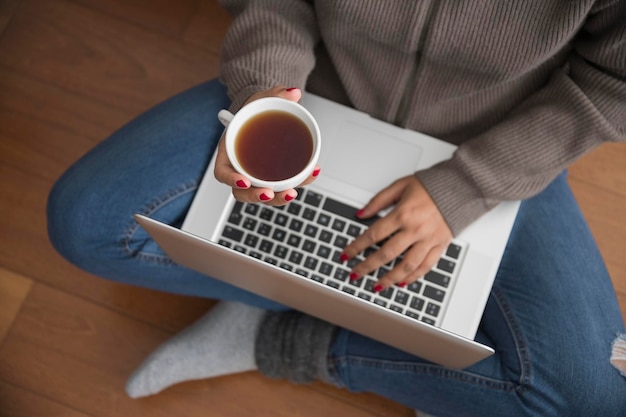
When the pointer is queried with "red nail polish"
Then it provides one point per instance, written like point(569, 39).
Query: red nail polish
point(241, 184)
point(402, 284)
point(343, 257)
point(378, 288)
point(291, 89)
point(289, 197)
point(264, 197)
point(359, 213)
point(354, 276)
point(316, 172)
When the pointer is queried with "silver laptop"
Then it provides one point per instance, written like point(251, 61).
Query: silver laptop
point(291, 254)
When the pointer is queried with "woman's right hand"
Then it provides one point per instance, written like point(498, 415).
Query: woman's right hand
point(242, 190)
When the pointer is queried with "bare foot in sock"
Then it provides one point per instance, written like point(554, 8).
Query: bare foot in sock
point(219, 343)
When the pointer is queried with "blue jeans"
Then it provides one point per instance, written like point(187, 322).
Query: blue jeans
point(551, 317)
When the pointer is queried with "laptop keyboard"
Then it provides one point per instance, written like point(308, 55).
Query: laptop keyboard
point(307, 237)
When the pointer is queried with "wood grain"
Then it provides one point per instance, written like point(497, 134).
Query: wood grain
point(13, 291)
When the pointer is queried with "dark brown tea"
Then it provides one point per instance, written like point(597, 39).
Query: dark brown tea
point(274, 145)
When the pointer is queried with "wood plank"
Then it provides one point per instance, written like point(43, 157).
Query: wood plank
point(116, 62)
point(604, 168)
point(17, 402)
point(162, 16)
point(13, 291)
point(604, 211)
point(7, 10)
point(80, 354)
point(208, 25)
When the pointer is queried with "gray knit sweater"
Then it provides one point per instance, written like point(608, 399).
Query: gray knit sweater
point(524, 87)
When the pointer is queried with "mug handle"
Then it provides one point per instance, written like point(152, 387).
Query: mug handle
point(225, 117)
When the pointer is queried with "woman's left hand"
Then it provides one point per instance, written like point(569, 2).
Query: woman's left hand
point(415, 227)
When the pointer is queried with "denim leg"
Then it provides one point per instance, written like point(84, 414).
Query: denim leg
point(151, 166)
point(552, 317)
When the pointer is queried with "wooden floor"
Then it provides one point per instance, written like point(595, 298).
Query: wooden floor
point(72, 71)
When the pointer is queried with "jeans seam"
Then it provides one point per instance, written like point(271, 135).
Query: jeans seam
point(335, 363)
point(149, 209)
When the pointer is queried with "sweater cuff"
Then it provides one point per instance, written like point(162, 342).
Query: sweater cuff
point(457, 197)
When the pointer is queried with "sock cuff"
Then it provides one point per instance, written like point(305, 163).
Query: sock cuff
point(294, 346)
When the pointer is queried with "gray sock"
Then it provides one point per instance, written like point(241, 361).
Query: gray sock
point(294, 346)
point(219, 343)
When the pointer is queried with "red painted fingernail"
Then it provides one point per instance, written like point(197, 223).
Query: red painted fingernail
point(378, 288)
point(242, 184)
point(289, 197)
point(343, 257)
point(264, 197)
point(402, 284)
point(291, 89)
point(354, 276)
point(316, 172)
point(359, 213)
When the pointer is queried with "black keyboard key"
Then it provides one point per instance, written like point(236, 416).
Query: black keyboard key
point(240, 249)
point(369, 285)
point(313, 198)
point(308, 214)
point(429, 321)
point(432, 309)
point(326, 236)
point(401, 297)
point(279, 235)
point(332, 283)
point(266, 246)
point(415, 287)
point(339, 225)
point(412, 315)
point(323, 219)
point(434, 293)
point(348, 290)
point(235, 215)
point(341, 274)
point(365, 296)
point(270, 261)
point(310, 262)
point(232, 233)
point(252, 209)
point(387, 292)
point(310, 230)
point(453, 251)
point(380, 302)
point(340, 242)
point(325, 269)
point(317, 278)
point(294, 240)
point(356, 282)
point(382, 271)
point(323, 251)
point(266, 214)
point(354, 230)
point(308, 246)
point(302, 272)
point(296, 225)
point(224, 243)
point(251, 241)
point(286, 267)
point(294, 208)
point(256, 255)
point(337, 257)
point(296, 258)
point(346, 211)
point(281, 252)
point(446, 265)
point(395, 308)
point(281, 219)
point(437, 278)
point(264, 229)
point(249, 224)
point(417, 303)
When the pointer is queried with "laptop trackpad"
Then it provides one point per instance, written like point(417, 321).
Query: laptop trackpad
point(370, 159)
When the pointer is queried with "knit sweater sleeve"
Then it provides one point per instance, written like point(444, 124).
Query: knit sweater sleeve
point(582, 106)
point(269, 43)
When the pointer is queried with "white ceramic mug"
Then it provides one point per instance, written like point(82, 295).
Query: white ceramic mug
point(234, 124)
